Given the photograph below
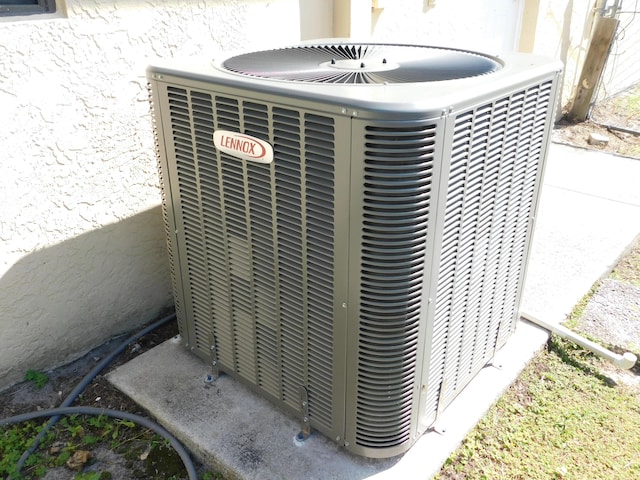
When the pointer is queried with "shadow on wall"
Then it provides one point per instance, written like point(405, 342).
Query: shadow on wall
point(59, 302)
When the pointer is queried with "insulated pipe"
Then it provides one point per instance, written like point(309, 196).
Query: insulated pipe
point(626, 361)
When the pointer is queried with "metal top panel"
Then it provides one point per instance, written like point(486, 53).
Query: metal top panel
point(353, 63)
point(371, 100)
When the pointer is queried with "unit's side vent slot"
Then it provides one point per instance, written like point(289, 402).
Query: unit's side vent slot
point(320, 212)
point(494, 164)
point(181, 320)
point(397, 205)
point(190, 228)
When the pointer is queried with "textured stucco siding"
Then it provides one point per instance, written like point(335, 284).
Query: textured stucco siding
point(82, 252)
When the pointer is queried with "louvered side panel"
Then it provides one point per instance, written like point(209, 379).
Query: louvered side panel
point(258, 245)
point(496, 154)
point(398, 169)
point(320, 213)
point(168, 221)
point(290, 253)
point(215, 233)
point(190, 234)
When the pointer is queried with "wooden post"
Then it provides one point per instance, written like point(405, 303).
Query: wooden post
point(592, 68)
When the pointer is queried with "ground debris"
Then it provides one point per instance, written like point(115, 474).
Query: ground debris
point(79, 459)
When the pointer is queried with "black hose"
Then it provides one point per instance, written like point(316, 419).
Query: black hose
point(80, 410)
point(87, 379)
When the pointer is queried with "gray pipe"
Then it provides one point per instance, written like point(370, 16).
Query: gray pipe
point(625, 361)
point(86, 380)
point(145, 422)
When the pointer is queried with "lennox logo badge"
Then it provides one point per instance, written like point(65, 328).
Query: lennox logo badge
point(243, 146)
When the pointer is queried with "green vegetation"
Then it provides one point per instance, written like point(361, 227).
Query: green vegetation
point(38, 378)
point(70, 434)
point(564, 418)
point(147, 455)
point(628, 103)
point(580, 307)
point(628, 268)
point(93, 476)
point(561, 419)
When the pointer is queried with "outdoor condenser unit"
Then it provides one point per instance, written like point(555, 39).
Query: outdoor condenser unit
point(348, 224)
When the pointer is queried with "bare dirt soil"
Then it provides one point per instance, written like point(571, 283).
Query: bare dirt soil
point(132, 461)
point(616, 119)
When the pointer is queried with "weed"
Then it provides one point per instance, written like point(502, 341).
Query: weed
point(66, 437)
point(212, 476)
point(14, 439)
point(580, 307)
point(38, 378)
point(93, 476)
point(575, 422)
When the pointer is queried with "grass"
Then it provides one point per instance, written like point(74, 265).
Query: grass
point(147, 454)
point(36, 377)
point(564, 418)
point(580, 307)
point(561, 419)
point(628, 268)
point(629, 102)
point(70, 434)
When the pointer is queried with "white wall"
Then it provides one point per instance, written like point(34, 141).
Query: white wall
point(491, 26)
point(82, 253)
point(560, 29)
point(555, 28)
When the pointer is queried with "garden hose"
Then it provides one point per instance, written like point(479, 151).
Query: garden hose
point(145, 422)
point(86, 380)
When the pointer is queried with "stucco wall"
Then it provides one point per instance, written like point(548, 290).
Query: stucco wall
point(82, 253)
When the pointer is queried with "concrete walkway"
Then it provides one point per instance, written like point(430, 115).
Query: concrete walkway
point(589, 214)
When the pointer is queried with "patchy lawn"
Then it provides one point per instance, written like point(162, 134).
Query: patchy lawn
point(570, 415)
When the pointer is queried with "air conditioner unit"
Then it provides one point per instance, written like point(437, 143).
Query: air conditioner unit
point(348, 224)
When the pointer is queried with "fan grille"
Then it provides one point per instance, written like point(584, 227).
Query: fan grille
point(362, 63)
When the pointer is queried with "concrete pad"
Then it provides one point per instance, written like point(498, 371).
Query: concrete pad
point(242, 435)
point(589, 214)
